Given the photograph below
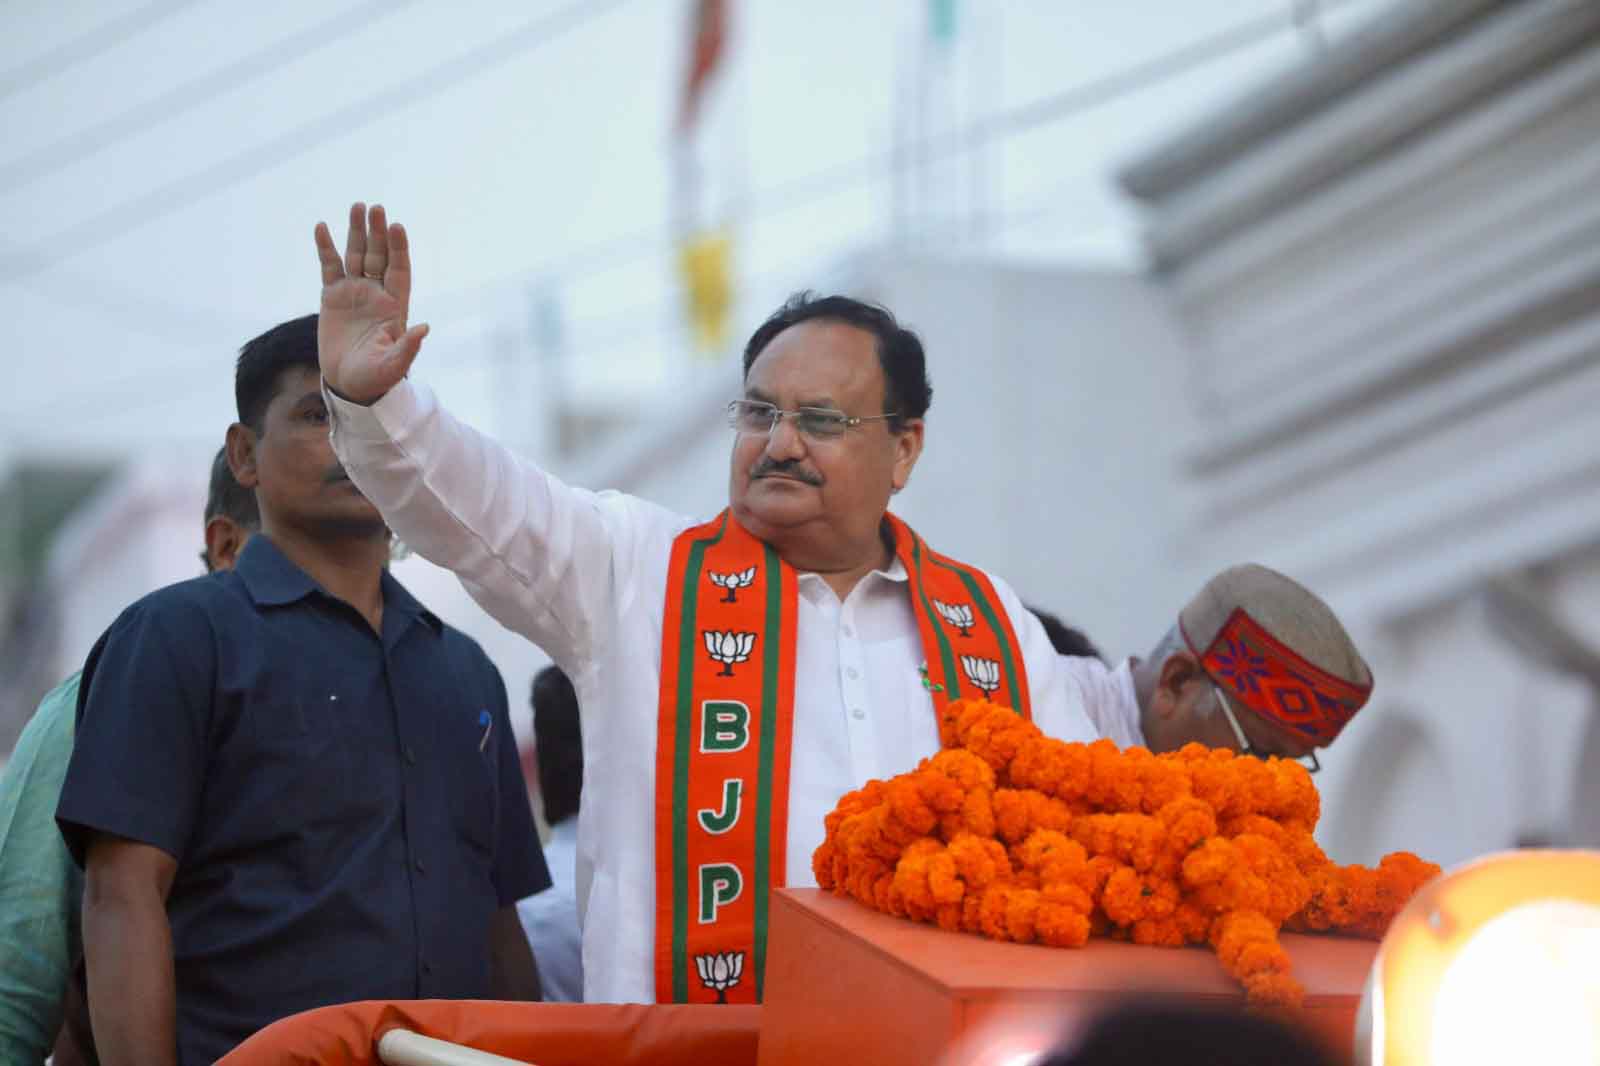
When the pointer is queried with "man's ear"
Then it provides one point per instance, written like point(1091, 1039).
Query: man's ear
point(908, 447)
point(241, 443)
point(224, 539)
point(1177, 670)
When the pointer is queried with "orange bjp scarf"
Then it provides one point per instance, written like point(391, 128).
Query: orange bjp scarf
point(725, 728)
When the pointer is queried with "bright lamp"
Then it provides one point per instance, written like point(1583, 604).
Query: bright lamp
point(1497, 961)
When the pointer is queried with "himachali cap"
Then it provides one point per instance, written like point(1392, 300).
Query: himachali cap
point(1278, 650)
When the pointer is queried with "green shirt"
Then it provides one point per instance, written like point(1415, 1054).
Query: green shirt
point(41, 891)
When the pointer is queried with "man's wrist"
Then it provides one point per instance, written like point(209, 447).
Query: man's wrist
point(349, 399)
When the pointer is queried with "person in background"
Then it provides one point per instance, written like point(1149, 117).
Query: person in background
point(41, 891)
point(292, 784)
point(1179, 1033)
point(1065, 639)
point(551, 918)
point(1255, 662)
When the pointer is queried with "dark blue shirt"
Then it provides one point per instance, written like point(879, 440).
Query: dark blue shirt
point(347, 810)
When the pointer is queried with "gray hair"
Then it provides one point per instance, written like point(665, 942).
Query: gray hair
point(1170, 643)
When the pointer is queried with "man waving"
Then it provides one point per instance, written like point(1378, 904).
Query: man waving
point(736, 676)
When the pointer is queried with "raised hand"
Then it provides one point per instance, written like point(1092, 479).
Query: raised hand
point(362, 339)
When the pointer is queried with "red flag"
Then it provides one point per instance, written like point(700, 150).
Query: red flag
point(709, 33)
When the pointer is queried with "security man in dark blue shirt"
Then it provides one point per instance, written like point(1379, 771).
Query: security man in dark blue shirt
point(292, 784)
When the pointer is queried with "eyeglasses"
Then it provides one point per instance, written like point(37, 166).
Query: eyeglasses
point(759, 419)
point(1308, 760)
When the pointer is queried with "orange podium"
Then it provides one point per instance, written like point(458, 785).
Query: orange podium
point(846, 984)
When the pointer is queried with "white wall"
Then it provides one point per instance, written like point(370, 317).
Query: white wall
point(143, 530)
point(1390, 293)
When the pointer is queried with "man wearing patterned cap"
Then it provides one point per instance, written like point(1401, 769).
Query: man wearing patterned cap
point(1255, 662)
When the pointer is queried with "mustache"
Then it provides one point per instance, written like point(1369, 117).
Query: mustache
point(785, 468)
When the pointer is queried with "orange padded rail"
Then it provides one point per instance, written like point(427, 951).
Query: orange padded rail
point(546, 1034)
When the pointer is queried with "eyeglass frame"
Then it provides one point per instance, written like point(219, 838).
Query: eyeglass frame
point(846, 423)
point(1247, 748)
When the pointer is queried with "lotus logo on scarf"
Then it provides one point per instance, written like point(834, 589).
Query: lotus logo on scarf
point(720, 971)
point(732, 583)
point(728, 648)
point(957, 614)
point(985, 673)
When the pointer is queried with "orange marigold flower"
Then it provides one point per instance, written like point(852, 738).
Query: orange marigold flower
point(1073, 772)
point(1046, 847)
point(972, 913)
point(1018, 812)
point(943, 882)
point(1037, 765)
point(1188, 822)
point(1067, 894)
point(1122, 898)
point(992, 910)
point(1162, 932)
point(911, 879)
point(1194, 923)
point(1271, 989)
point(1022, 907)
point(977, 813)
point(1293, 795)
point(1162, 782)
point(993, 733)
point(1061, 925)
point(909, 809)
point(979, 861)
point(1042, 840)
point(964, 768)
point(822, 864)
point(1209, 863)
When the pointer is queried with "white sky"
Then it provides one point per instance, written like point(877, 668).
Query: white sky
point(157, 210)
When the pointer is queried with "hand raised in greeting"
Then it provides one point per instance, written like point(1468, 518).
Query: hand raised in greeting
point(362, 340)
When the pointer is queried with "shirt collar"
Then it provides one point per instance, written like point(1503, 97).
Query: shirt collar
point(397, 598)
point(814, 588)
point(268, 575)
point(273, 580)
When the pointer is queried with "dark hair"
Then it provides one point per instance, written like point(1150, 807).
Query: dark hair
point(1174, 1034)
point(228, 497)
point(906, 390)
point(262, 362)
point(1064, 638)
point(557, 743)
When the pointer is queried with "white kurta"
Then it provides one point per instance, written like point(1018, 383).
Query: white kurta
point(584, 576)
point(1109, 698)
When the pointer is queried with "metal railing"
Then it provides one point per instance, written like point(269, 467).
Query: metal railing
point(402, 1047)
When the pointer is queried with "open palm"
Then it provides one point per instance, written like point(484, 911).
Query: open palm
point(362, 340)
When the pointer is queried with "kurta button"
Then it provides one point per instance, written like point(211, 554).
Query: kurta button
point(421, 869)
point(852, 673)
point(858, 713)
point(427, 967)
point(409, 755)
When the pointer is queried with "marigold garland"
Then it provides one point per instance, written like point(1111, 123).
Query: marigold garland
point(1013, 835)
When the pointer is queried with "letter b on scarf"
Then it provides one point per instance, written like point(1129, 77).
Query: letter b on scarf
point(724, 725)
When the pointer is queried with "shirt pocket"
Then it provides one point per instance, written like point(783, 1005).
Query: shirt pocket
point(472, 745)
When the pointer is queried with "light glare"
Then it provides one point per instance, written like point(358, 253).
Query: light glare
point(1524, 988)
